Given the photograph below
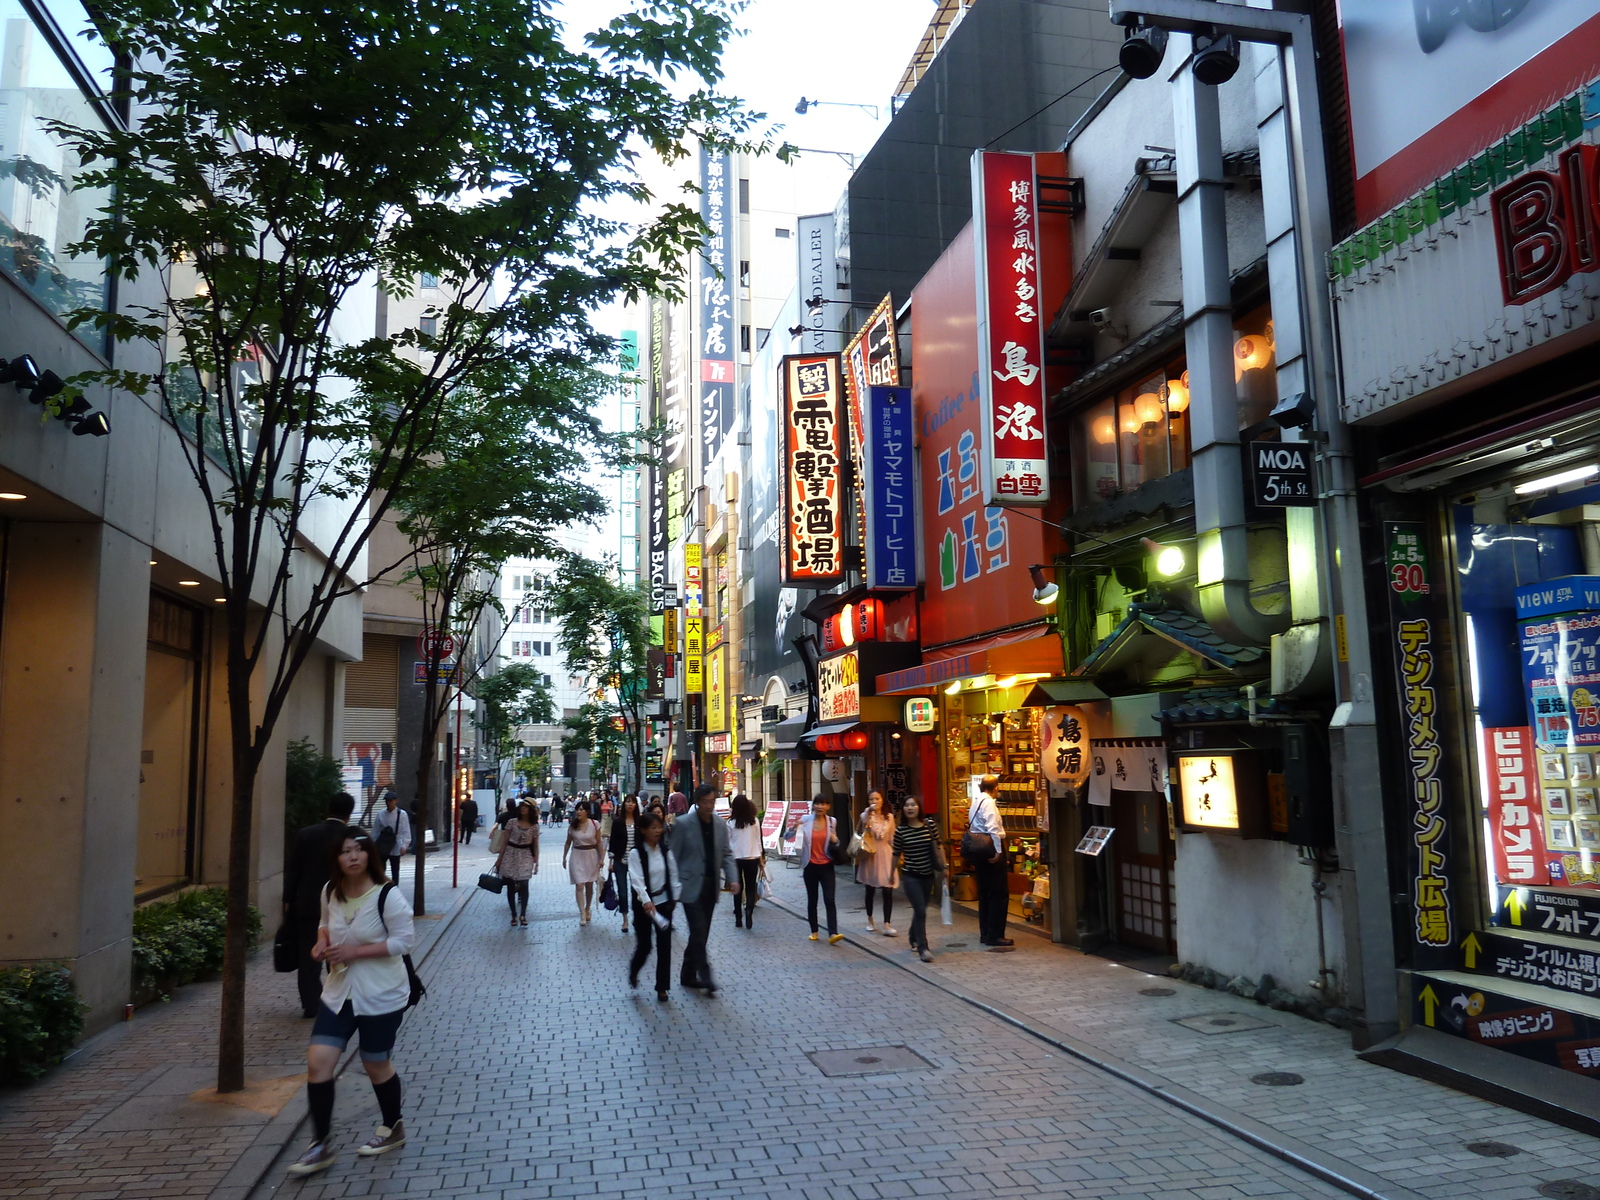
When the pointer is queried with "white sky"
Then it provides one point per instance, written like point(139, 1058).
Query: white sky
point(839, 50)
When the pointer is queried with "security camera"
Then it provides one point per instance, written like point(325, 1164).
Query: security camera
point(1100, 317)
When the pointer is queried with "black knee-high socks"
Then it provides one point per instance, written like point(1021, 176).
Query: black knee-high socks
point(320, 1098)
point(388, 1093)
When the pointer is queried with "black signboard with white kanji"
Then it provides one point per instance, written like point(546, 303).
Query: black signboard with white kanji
point(1281, 474)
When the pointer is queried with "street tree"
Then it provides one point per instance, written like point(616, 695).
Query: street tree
point(604, 638)
point(288, 153)
point(514, 695)
point(507, 472)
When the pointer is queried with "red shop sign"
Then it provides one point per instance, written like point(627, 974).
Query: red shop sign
point(1011, 380)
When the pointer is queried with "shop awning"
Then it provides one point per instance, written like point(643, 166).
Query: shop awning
point(1038, 653)
point(1151, 636)
point(809, 738)
point(1061, 691)
point(787, 735)
point(752, 746)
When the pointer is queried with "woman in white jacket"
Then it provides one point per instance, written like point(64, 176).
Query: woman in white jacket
point(366, 927)
point(653, 879)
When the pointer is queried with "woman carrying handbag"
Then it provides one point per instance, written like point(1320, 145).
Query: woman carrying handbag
point(875, 860)
point(519, 859)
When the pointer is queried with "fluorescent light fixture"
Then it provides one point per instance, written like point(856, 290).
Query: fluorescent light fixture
point(12, 496)
point(153, 563)
point(953, 688)
point(1556, 480)
point(188, 583)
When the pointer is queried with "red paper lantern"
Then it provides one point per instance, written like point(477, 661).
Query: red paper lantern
point(869, 620)
point(855, 740)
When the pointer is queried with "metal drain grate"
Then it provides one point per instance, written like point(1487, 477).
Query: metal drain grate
point(1569, 1189)
point(1493, 1149)
point(1222, 1022)
point(1278, 1079)
point(868, 1060)
point(1158, 991)
point(955, 945)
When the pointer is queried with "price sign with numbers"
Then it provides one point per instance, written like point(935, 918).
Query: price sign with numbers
point(1280, 475)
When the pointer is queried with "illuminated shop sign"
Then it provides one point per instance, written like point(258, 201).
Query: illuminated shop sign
point(813, 526)
point(839, 688)
point(1220, 791)
point(1011, 383)
point(921, 714)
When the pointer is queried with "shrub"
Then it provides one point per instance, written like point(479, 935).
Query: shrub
point(180, 940)
point(40, 1018)
point(310, 779)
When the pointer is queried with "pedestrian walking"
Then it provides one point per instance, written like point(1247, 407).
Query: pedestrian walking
point(921, 860)
point(744, 839)
point(994, 898)
point(623, 837)
point(519, 860)
point(365, 928)
point(305, 874)
point(391, 833)
point(467, 819)
point(655, 885)
point(819, 833)
point(507, 814)
point(558, 809)
point(582, 857)
point(677, 804)
point(705, 860)
point(875, 868)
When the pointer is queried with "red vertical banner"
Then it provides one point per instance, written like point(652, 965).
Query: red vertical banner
point(1512, 769)
point(1011, 379)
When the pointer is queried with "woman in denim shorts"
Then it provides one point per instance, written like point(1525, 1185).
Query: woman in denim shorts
point(365, 994)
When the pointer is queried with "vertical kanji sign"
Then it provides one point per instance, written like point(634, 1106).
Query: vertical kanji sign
point(716, 304)
point(813, 457)
point(1011, 380)
point(1420, 676)
point(889, 486)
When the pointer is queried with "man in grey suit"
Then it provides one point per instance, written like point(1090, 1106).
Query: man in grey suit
point(700, 844)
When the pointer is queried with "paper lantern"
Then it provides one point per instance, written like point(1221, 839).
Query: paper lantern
point(1127, 419)
point(1178, 394)
point(1104, 429)
point(1147, 407)
point(1250, 353)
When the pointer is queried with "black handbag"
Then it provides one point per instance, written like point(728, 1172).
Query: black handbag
point(285, 953)
point(608, 895)
point(977, 847)
point(414, 980)
point(490, 882)
point(839, 852)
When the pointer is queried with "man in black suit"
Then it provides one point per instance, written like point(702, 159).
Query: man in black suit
point(304, 877)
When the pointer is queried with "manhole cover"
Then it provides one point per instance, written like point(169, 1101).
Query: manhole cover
point(1224, 1022)
point(955, 945)
point(869, 1060)
point(1158, 991)
point(1569, 1189)
point(1277, 1079)
point(1001, 949)
point(1493, 1149)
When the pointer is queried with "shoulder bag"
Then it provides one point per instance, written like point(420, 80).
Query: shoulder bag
point(840, 854)
point(285, 954)
point(497, 840)
point(977, 847)
point(417, 991)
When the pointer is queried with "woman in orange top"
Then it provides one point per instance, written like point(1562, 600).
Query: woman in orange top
point(818, 835)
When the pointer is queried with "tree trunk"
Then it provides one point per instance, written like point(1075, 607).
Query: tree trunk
point(236, 947)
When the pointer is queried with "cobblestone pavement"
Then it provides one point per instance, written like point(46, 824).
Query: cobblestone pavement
point(532, 1071)
point(1407, 1132)
point(117, 1119)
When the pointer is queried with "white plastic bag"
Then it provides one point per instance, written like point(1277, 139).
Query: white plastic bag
point(946, 917)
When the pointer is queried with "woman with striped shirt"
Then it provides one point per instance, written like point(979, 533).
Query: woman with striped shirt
point(917, 854)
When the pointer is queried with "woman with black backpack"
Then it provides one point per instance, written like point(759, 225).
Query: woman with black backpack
point(365, 933)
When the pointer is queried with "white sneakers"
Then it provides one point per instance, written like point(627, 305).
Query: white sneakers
point(888, 930)
point(871, 928)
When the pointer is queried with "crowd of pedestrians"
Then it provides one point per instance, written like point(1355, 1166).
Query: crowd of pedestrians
point(662, 863)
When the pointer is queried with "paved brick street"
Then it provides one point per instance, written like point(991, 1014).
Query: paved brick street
point(531, 1069)
point(121, 1118)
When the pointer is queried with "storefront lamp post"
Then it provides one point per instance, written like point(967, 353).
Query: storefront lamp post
point(1295, 186)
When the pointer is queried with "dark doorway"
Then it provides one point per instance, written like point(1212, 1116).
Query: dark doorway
point(1142, 850)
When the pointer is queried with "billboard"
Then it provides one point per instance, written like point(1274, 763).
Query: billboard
point(717, 332)
point(772, 618)
point(813, 525)
point(976, 555)
point(819, 284)
point(1011, 381)
point(1432, 83)
point(888, 479)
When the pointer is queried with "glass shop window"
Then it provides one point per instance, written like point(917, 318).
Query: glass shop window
point(1141, 433)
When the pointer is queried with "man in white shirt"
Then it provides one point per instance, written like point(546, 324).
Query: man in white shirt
point(394, 818)
point(994, 898)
